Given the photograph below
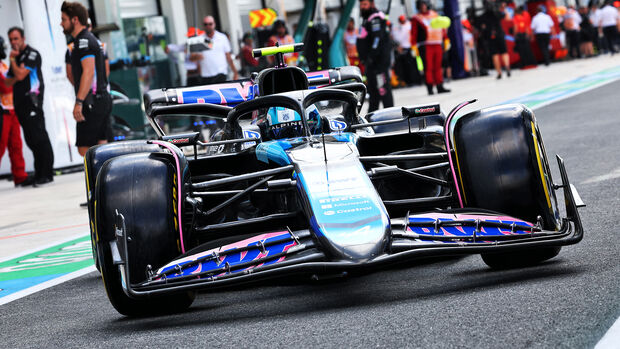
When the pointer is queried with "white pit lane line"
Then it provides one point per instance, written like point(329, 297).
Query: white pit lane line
point(612, 175)
point(611, 339)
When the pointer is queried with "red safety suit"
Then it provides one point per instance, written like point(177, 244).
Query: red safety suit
point(11, 133)
point(421, 22)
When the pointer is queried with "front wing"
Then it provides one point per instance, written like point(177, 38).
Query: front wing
point(283, 253)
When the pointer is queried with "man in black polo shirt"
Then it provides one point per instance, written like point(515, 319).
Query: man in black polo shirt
point(70, 46)
point(93, 103)
point(27, 80)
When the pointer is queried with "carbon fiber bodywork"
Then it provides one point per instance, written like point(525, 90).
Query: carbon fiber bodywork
point(346, 194)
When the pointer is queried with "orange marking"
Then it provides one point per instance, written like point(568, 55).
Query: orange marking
point(42, 231)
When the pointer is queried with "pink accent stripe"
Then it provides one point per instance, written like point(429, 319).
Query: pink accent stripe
point(447, 133)
point(179, 97)
point(176, 159)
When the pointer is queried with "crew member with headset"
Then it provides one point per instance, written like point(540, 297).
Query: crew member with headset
point(374, 48)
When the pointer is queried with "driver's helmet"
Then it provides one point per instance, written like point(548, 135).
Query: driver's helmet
point(286, 123)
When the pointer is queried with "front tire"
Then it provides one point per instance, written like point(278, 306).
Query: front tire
point(502, 166)
point(94, 159)
point(143, 188)
point(519, 259)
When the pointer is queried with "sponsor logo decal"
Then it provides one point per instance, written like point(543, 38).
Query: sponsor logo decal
point(336, 125)
point(179, 140)
point(285, 115)
point(342, 198)
point(250, 134)
point(348, 210)
point(357, 209)
point(83, 43)
point(424, 110)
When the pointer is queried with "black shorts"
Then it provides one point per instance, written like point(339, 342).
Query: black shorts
point(498, 45)
point(586, 35)
point(96, 127)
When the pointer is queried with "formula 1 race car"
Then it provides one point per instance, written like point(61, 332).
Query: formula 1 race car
point(279, 175)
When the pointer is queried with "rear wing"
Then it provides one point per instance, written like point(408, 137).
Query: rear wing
point(234, 92)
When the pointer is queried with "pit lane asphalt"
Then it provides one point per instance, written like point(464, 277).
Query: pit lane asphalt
point(569, 301)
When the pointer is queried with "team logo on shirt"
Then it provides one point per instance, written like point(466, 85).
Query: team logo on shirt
point(32, 55)
point(83, 43)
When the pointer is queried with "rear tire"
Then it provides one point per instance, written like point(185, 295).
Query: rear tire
point(143, 188)
point(503, 167)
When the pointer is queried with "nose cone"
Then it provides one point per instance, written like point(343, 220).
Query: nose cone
point(360, 244)
point(348, 216)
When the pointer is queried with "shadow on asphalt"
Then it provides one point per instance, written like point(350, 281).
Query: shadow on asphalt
point(399, 285)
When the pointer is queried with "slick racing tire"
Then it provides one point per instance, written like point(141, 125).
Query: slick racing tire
point(143, 188)
point(93, 161)
point(502, 166)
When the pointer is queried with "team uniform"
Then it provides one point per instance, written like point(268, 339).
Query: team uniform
point(541, 26)
point(522, 23)
point(374, 48)
point(572, 22)
point(71, 45)
point(98, 103)
point(11, 135)
point(493, 31)
point(431, 45)
point(28, 104)
point(405, 66)
point(350, 41)
point(608, 21)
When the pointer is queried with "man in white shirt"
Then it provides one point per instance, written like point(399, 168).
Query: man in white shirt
point(608, 25)
point(215, 60)
point(595, 17)
point(542, 26)
point(572, 22)
point(404, 65)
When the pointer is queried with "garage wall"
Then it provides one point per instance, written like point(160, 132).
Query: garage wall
point(138, 8)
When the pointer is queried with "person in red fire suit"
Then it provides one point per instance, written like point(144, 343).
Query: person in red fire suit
point(429, 42)
point(10, 136)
